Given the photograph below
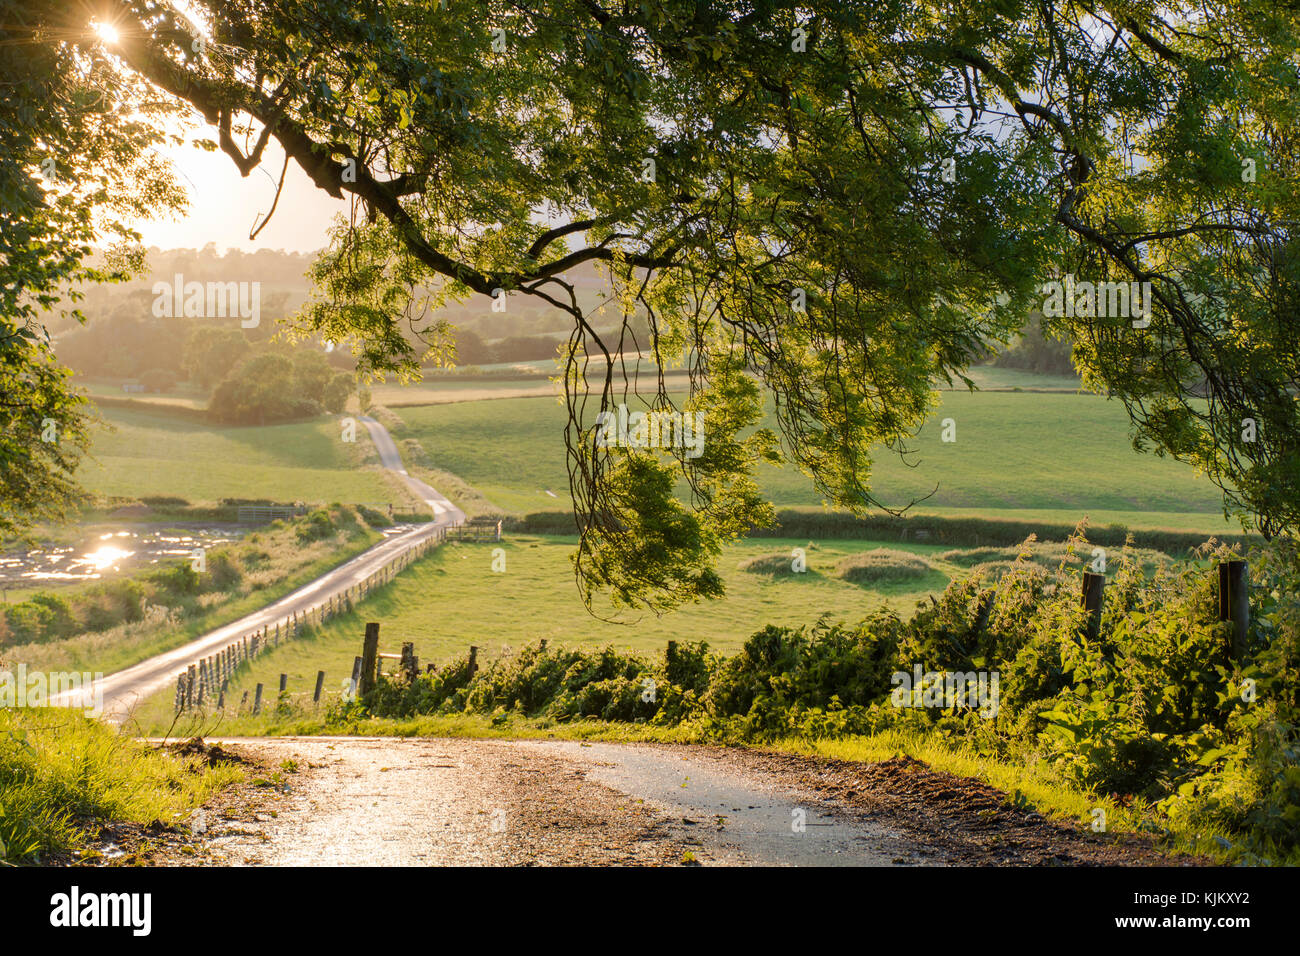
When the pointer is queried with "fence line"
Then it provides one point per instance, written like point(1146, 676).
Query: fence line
point(208, 678)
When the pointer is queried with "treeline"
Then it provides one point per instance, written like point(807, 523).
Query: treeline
point(1035, 351)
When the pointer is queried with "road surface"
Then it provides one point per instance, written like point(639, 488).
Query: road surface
point(339, 801)
point(125, 689)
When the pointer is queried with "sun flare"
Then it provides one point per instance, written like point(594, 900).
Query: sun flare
point(107, 32)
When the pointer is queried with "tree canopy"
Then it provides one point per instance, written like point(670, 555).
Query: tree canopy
point(831, 206)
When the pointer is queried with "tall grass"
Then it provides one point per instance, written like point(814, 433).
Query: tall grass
point(63, 776)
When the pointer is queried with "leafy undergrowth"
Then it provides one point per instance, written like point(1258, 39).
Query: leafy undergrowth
point(63, 777)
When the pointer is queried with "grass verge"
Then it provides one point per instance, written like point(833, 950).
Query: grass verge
point(63, 777)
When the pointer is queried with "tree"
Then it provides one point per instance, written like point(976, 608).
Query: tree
point(76, 165)
point(212, 351)
point(261, 390)
point(335, 394)
point(838, 205)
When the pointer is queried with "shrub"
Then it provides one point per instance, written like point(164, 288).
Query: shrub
point(779, 564)
point(317, 526)
point(882, 566)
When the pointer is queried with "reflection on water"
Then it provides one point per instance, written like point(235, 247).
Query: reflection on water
point(103, 557)
point(108, 553)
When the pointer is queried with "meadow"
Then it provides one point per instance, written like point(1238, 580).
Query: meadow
point(1050, 455)
point(142, 453)
point(452, 599)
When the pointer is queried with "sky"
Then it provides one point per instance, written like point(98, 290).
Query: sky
point(223, 205)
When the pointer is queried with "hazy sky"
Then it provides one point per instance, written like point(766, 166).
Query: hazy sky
point(223, 205)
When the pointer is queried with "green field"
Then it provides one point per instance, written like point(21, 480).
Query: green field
point(1041, 455)
point(147, 453)
point(452, 599)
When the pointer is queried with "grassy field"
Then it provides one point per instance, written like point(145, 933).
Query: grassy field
point(184, 395)
point(1050, 456)
point(452, 599)
point(147, 453)
point(443, 388)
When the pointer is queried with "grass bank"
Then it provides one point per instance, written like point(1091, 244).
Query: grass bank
point(64, 777)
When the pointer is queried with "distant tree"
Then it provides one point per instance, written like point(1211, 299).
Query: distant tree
point(470, 349)
point(212, 351)
point(260, 391)
point(280, 386)
point(1033, 351)
point(312, 372)
point(337, 390)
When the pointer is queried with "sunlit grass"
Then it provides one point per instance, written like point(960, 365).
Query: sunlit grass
point(62, 775)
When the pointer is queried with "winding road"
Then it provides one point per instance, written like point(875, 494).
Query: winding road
point(123, 690)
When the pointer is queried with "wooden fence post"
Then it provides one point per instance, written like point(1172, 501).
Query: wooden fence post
point(369, 658)
point(180, 692)
point(473, 660)
point(320, 685)
point(257, 700)
point(1234, 604)
point(1094, 586)
point(284, 682)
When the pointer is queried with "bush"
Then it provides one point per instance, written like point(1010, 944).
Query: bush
point(317, 526)
point(882, 566)
point(778, 564)
point(224, 573)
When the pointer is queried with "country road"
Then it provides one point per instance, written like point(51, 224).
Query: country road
point(123, 690)
point(340, 801)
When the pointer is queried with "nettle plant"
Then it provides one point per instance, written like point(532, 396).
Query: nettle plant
point(831, 207)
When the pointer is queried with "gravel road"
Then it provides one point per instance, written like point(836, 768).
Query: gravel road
point(338, 801)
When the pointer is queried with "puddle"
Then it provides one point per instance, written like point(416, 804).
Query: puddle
point(735, 817)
